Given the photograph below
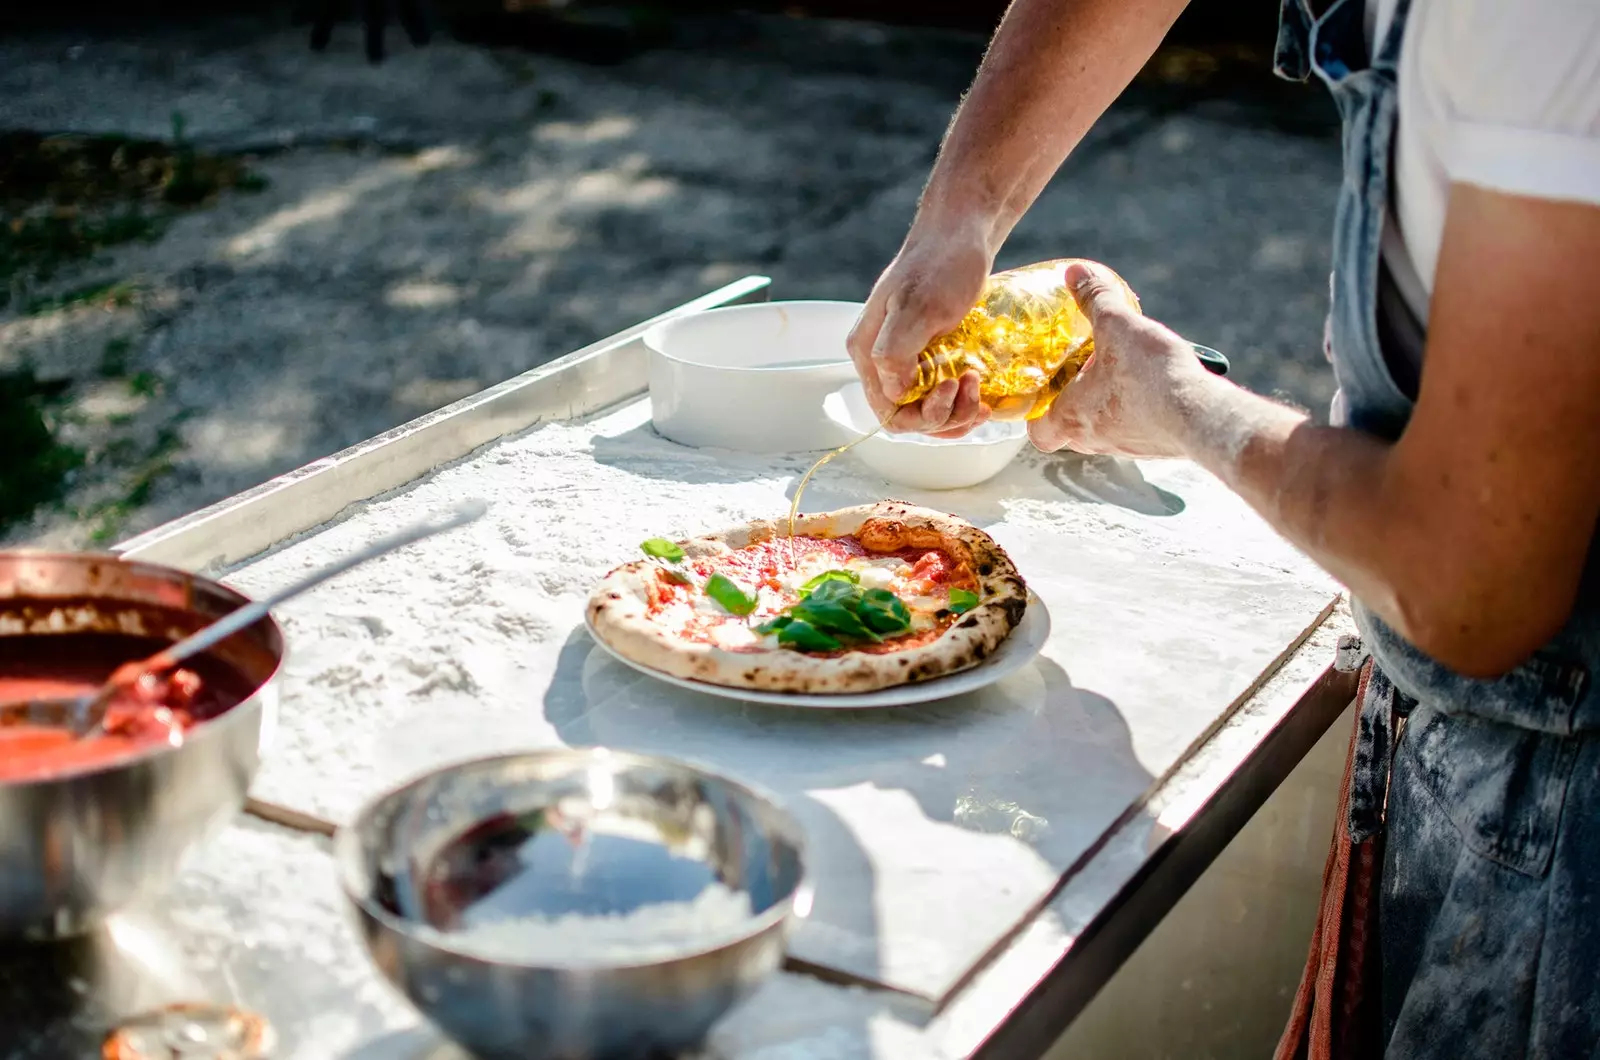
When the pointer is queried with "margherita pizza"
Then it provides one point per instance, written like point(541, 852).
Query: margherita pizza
point(857, 600)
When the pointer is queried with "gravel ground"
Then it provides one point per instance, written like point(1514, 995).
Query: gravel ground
point(459, 214)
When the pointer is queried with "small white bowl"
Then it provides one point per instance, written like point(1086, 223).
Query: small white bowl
point(919, 461)
point(751, 377)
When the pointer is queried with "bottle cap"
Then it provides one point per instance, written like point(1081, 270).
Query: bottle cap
point(191, 1032)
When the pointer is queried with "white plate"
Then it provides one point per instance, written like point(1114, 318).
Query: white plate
point(1014, 653)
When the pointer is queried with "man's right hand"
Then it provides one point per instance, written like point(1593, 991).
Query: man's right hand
point(932, 283)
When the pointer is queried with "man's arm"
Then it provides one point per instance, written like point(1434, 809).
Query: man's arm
point(1468, 535)
point(1053, 68)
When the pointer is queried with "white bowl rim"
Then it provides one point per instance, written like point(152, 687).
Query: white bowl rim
point(836, 398)
point(651, 337)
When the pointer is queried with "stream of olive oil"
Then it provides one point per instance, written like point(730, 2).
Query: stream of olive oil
point(799, 490)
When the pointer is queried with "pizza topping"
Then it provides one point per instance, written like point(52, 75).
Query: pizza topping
point(884, 611)
point(661, 548)
point(838, 611)
point(727, 592)
point(798, 633)
point(847, 576)
point(812, 594)
point(668, 557)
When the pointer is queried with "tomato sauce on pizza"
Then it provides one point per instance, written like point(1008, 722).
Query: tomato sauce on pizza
point(856, 599)
point(774, 574)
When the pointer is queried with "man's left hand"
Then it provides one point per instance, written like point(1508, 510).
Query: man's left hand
point(1124, 401)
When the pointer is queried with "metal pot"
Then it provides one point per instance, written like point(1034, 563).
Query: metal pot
point(76, 847)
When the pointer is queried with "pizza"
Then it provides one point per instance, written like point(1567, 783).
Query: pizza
point(858, 600)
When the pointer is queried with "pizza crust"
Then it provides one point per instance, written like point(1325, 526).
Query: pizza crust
point(618, 609)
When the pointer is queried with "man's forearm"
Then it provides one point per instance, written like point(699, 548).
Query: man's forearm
point(1053, 68)
point(1344, 498)
point(1318, 486)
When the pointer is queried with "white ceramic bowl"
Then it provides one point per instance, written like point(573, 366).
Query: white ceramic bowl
point(751, 377)
point(919, 461)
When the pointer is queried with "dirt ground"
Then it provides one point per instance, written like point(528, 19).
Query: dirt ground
point(414, 231)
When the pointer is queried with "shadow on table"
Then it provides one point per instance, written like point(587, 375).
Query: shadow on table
point(642, 452)
point(1110, 480)
point(990, 762)
point(844, 482)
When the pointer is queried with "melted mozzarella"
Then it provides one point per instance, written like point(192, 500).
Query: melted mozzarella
point(886, 573)
point(876, 577)
point(923, 603)
point(707, 606)
point(811, 565)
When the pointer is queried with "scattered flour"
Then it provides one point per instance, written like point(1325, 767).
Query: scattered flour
point(472, 644)
point(658, 931)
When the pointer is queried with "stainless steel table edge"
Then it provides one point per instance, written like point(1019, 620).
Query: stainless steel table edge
point(597, 376)
point(1025, 996)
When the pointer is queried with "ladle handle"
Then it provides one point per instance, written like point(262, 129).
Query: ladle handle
point(251, 613)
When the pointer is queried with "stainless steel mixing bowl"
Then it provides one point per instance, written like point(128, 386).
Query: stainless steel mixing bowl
point(77, 847)
point(589, 834)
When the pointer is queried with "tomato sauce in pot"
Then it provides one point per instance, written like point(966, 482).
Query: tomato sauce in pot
point(158, 710)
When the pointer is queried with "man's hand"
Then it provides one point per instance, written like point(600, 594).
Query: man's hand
point(1470, 534)
point(1126, 399)
point(1053, 67)
point(932, 283)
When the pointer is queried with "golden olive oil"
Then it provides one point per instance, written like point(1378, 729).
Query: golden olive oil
point(1026, 338)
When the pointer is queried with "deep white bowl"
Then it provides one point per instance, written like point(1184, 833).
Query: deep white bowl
point(751, 377)
point(917, 460)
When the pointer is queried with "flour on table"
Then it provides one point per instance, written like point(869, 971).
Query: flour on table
point(472, 644)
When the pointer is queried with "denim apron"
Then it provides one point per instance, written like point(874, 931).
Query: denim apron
point(1484, 792)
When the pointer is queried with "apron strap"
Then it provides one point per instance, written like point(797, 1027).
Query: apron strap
point(1336, 1012)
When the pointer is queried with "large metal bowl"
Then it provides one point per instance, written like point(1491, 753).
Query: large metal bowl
point(653, 831)
point(77, 847)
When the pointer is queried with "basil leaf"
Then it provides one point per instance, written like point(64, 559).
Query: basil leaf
point(832, 618)
point(883, 612)
point(726, 591)
point(835, 591)
point(661, 548)
point(802, 635)
point(846, 576)
point(774, 625)
point(962, 601)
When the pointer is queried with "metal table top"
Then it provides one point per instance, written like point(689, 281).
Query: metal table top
point(256, 921)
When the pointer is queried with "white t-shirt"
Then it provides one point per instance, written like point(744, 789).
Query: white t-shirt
point(1503, 94)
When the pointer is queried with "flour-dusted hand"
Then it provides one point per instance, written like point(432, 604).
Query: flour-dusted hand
point(932, 283)
point(1125, 401)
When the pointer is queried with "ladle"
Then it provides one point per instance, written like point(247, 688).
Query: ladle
point(85, 715)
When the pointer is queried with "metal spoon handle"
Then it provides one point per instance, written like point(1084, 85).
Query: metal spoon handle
point(251, 613)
